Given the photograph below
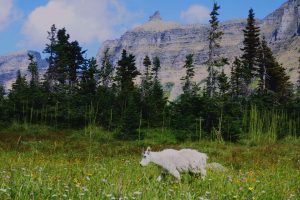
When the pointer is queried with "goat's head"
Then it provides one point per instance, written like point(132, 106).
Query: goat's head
point(146, 157)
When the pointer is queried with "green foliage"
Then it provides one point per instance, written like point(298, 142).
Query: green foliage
point(89, 77)
point(236, 80)
point(223, 83)
point(129, 120)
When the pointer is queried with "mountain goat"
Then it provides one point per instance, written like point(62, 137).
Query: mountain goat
point(174, 162)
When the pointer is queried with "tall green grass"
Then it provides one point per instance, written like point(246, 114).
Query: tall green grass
point(268, 126)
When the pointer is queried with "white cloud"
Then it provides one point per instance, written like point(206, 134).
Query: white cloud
point(86, 21)
point(195, 14)
point(8, 13)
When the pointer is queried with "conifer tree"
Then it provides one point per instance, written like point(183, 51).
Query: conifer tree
point(33, 70)
point(250, 51)
point(20, 83)
point(156, 67)
point(50, 73)
point(146, 78)
point(66, 58)
point(214, 60)
point(146, 83)
point(19, 92)
point(223, 83)
point(188, 85)
point(106, 71)
point(126, 72)
point(157, 100)
point(272, 75)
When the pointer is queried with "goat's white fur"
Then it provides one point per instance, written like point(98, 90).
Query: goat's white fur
point(174, 162)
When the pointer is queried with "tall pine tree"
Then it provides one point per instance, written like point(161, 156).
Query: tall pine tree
point(157, 99)
point(146, 78)
point(214, 60)
point(250, 51)
point(127, 97)
point(50, 74)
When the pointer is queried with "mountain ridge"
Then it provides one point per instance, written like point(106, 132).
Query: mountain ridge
point(171, 42)
point(10, 63)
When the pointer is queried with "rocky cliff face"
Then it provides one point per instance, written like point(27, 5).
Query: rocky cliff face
point(171, 42)
point(284, 23)
point(11, 63)
point(282, 28)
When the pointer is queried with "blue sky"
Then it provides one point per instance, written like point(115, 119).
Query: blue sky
point(25, 22)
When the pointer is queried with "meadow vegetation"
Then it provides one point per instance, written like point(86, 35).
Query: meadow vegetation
point(87, 164)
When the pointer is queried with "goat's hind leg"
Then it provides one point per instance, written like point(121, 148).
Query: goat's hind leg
point(203, 172)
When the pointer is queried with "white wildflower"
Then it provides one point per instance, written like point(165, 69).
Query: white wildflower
point(3, 190)
point(104, 180)
point(137, 193)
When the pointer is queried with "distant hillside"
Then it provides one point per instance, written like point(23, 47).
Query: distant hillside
point(11, 63)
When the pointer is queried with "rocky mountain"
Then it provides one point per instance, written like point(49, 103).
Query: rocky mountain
point(171, 42)
point(11, 63)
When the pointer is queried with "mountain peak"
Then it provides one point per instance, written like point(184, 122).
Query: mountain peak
point(155, 17)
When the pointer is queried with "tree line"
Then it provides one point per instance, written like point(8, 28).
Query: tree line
point(75, 91)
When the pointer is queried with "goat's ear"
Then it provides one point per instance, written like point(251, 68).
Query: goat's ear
point(148, 150)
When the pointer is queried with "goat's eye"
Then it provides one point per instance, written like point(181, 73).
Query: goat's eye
point(144, 156)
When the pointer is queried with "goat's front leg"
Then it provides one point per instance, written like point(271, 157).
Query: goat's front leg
point(175, 173)
point(162, 174)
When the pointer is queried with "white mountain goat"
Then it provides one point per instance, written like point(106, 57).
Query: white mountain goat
point(174, 162)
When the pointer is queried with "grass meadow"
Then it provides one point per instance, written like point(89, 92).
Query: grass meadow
point(38, 162)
